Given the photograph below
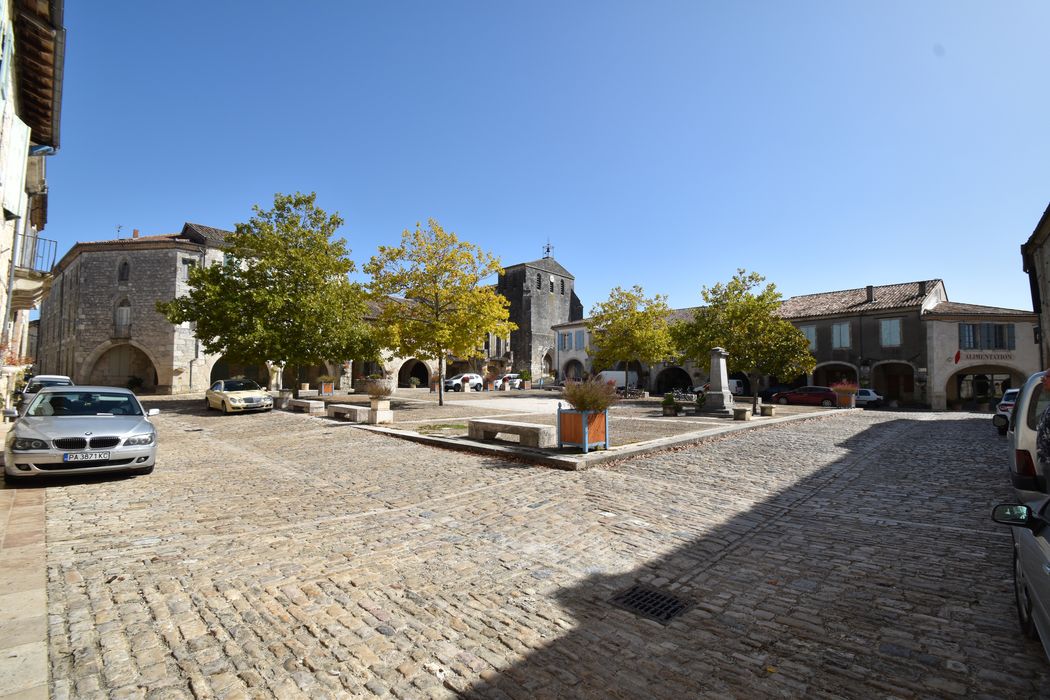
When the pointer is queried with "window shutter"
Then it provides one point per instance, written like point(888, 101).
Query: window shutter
point(1011, 342)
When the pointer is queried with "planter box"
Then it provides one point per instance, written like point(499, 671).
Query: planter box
point(327, 388)
point(846, 400)
point(379, 404)
point(672, 410)
point(584, 429)
point(527, 383)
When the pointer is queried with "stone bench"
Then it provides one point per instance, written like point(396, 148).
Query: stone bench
point(355, 414)
point(531, 434)
point(768, 410)
point(314, 408)
point(741, 414)
point(303, 393)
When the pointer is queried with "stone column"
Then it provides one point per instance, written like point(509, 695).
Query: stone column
point(719, 399)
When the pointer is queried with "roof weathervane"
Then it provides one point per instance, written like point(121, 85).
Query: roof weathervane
point(547, 248)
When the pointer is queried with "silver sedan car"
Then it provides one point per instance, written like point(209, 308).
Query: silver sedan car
point(1031, 565)
point(81, 430)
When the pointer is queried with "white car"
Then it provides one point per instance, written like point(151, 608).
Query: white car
point(80, 430)
point(509, 381)
point(464, 381)
point(867, 397)
point(38, 382)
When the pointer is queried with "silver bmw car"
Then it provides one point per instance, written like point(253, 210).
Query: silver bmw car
point(81, 430)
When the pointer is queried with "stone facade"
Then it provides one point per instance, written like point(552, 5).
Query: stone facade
point(542, 295)
point(1035, 255)
point(99, 324)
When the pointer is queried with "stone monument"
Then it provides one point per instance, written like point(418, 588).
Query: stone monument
point(719, 399)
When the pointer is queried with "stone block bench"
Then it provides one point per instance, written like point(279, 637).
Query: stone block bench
point(741, 414)
point(768, 410)
point(314, 408)
point(531, 434)
point(354, 414)
point(306, 393)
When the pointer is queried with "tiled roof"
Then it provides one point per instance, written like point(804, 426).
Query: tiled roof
point(674, 316)
point(546, 264)
point(887, 296)
point(952, 308)
point(206, 234)
point(116, 242)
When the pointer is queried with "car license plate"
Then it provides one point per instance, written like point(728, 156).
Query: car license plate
point(84, 456)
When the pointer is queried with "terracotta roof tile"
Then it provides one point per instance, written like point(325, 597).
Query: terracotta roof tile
point(887, 296)
point(952, 308)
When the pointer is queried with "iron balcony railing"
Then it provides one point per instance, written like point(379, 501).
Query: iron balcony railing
point(35, 253)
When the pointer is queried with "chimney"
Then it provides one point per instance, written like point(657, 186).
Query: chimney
point(922, 288)
point(871, 293)
point(134, 233)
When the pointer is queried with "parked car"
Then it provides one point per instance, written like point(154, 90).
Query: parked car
point(510, 381)
point(237, 396)
point(80, 430)
point(1031, 563)
point(38, 382)
point(1029, 478)
point(867, 397)
point(1004, 408)
point(767, 394)
point(460, 382)
point(806, 396)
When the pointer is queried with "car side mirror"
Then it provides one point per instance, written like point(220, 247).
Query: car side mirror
point(153, 412)
point(1013, 514)
point(10, 414)
point(1000, 421)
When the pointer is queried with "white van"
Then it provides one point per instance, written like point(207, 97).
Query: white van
point(736, 387)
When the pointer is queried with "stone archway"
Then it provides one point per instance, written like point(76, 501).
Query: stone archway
point(223, 369)
point(548, 365)
point(307, 374)
point(828, 373)
point(573, 370)
point(979, 384)
point(672, 378)
point(894, 381)
point(416, 368)
point(124, 365)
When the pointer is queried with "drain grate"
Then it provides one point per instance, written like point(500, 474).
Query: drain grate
point(651, 603)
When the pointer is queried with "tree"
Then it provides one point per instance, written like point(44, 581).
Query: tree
point(430, 299)
point(629, 326)
point(282, 293)
point(744, 321)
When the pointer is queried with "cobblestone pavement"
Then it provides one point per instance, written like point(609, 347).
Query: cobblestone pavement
point(279, 555)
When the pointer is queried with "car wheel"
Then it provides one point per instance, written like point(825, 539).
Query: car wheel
point(826, 403)
point(207, 405)
point(1024, 605)
point(225, 408)
point(782, 401)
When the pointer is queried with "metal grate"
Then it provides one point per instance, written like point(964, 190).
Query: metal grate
point(104, 441)
point(77, 443)
point(651, 603)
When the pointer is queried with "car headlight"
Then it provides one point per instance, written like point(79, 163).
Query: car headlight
point(234, 399)
point(29, 444)
point(145, 439)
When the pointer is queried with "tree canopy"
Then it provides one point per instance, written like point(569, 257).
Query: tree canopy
point(431, 301)
point(629, 326)
point(281, 293)
point(742, 318)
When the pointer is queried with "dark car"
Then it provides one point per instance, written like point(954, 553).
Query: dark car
point(768, 394)
point(806, 396)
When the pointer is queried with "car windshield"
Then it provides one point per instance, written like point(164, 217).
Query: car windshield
point(83, 403)
point(1010, 395)
point(240, 385)
point(36, 385)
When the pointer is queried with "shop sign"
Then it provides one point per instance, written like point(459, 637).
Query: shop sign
point(984, 356)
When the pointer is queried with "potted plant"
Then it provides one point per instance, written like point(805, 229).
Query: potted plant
point(846, 393)
point(526, 378)
point(670, 406)
point(326, 383)
point(413, 382)
point(586, 423)
point(379, 391)
point(490, 381)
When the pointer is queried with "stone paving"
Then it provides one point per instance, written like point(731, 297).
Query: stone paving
point(279, 555)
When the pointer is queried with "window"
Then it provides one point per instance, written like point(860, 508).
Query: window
point(187, 265)
point(987, 336)
point(890, 332)
point(123, 271)
point(539, 281)
point(563, 287)
point(566, 341)
point(840, 335)
point(811, 335)
point(552, 285)
point(579, 340)
point(123, 318)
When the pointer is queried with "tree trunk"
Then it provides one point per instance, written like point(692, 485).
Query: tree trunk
point(441, 380)
point(754, 393)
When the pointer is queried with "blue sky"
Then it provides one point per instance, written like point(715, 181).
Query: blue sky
point(826, 145)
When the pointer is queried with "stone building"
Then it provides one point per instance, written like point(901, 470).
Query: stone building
point(99, 323)
point(542, 295)
point(1035, 257)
